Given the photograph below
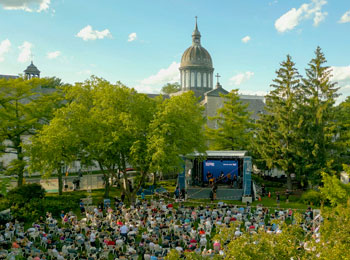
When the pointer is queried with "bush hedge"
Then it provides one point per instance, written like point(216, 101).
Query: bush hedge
point(311, 197)
point(28, 202)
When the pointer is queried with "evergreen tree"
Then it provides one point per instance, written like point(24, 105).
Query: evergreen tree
point(343, 131)
point(318, 123)
point(276, 141)
point(234, 126)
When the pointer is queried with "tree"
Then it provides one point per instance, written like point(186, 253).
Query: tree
point(334, 234)
point(176, 130)
point(170, 88)
point(52, 147)
point(268, 246)
point(320, 150)
point(333, 190)
point(277, 136)
point(343, 130)
point(112, 125)
point(97, 125)
point(25, 105)
point(234, 126)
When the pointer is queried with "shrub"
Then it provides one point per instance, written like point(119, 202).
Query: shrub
point(311, 197)
point(30, 211)
point(56, 205)
point(26, 202)
point(25, 193)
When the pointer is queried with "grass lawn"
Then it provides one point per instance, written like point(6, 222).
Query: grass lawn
point(97, 197)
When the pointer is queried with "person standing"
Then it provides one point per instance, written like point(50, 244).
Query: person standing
point(263, 190)
point(277, 199)
point(287, 195)
point(235, 184)
point(215, 188)
point(211, 195)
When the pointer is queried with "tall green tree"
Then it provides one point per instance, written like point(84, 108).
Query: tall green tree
point(25, 105)
point(176, 130)
point(170, 88)
point(277, 136)
point(343, 130)
point(320, 150)
point(234, 126)
point(50, 149)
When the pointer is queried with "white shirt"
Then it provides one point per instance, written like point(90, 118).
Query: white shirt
point(92, 237)
point(124, 229)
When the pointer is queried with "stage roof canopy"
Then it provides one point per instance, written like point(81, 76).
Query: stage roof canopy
point(239, 154)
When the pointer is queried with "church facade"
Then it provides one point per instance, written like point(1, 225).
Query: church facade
point(196, 74)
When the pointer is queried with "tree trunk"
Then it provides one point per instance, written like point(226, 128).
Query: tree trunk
point(289, 182)
point(60, 181)
point(20, 156)
point(154, 179)
point(107, 187)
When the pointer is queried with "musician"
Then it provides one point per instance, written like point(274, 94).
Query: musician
point(221, 177)
point(210, 177)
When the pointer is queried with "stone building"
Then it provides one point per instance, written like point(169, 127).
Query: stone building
point(196, 74)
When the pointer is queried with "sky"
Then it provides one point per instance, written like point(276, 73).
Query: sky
point(140, 42)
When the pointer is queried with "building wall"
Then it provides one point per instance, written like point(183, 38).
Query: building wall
point(213, 103)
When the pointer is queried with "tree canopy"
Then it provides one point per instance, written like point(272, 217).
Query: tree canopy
point(112, 126)
point(234, 125)
point(170, 88)
point(25, 106)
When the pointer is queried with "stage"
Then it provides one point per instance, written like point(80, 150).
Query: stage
point(219, 168)
point(223, 193)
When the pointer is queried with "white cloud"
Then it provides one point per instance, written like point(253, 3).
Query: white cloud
point(5, 46)
point(26, 5)
point(342, 76)
point(132, 37)
point(246, 39)
point(341, 73)
point(345, 18)
point(241, 77)
point(25, 52)
point(87, 33)
point(293, 17)
point(153, 83)
point(53, 55)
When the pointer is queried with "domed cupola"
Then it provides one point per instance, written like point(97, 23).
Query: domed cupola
point(196, 67)
point(32, 71)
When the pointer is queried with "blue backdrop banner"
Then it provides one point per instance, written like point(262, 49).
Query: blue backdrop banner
point(216, 166)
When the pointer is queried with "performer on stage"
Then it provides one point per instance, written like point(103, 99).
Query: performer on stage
point(222, 177)
point(229, 179)
point(210, 178)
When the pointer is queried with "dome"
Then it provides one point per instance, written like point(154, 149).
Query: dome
point(196, 56)
point(32, 69)
point(196, 68)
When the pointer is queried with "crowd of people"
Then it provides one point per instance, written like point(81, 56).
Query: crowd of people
point(147, 230)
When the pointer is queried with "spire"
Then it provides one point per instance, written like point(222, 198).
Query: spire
point(217, 80)
point(196, 35)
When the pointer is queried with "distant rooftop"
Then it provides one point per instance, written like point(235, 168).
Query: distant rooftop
point(8, 77)
point(251, 97)
point(240, 154)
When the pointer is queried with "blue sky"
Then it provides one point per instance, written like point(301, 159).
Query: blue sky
point(140, 42)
